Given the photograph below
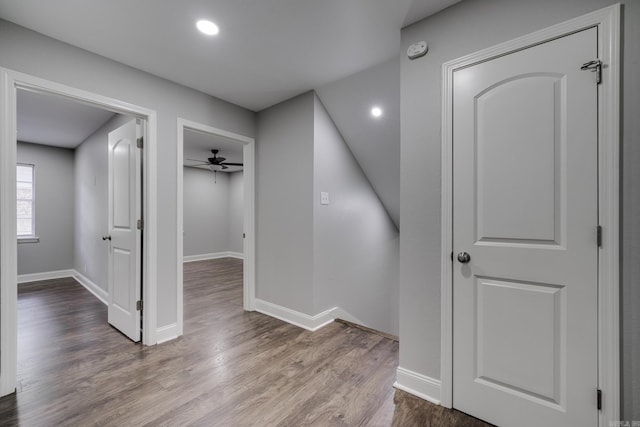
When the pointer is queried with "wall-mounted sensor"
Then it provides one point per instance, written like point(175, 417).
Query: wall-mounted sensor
point(417, 50)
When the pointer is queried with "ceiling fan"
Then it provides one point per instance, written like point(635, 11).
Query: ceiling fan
point(216, 163)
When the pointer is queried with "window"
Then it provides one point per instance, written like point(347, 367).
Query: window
point(24, 201)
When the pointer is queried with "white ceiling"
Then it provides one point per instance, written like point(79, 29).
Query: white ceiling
point(60, 122)
point(267, 51)
point(57, 121)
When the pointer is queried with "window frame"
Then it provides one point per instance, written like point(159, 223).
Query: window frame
point(28, 238)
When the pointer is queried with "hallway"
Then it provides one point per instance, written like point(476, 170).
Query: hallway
point(230, 368)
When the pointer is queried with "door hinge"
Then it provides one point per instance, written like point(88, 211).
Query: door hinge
point(596, 67)
point(139, 305)
point(451, 256)
point(599, 236)
point(140, 224)
point(599, 399)
point(140, 142)
point(244, 235)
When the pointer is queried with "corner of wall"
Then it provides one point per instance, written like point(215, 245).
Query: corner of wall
point(355, 242)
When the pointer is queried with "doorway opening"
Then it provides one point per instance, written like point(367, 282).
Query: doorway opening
point(229, 188)
point(15, 85)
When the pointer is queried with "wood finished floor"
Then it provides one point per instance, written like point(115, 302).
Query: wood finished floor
point(230, 368)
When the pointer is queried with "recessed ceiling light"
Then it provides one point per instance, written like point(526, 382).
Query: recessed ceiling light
point(207, 27)
point(376, 112)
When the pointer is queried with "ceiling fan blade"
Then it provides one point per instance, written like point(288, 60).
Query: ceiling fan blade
point(199, 161)
point(232, 164)
point(224, 167)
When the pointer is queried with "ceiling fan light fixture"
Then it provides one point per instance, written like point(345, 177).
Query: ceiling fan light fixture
point(215, 168)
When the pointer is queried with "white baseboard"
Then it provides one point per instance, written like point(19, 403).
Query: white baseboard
point(305, 321)
point(48, 275)
point(238, 255)
point(339, 313)
point(419, 385)
point(217, 255)
point(166, 333)
point(96, 290)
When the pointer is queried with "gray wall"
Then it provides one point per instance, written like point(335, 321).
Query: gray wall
point(206, 212)
point(284, 209)
point(32, 53)
point(311, 257)
point(90, 252)
point(54, 213)
point(462, 29)
point(356, 244)
point(375, 144)
point(236, 212)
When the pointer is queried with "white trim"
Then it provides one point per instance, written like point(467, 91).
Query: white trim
point(419, 385)
point(249, 244)
point(305, 321)
point(608, 22)
point(89, 285)
point(8, 247)
point(215, 255)
point(10, 82)
point(249, 276)
point(237, 255)
point(47, 275)
point(166, 333)
point(609, 216)
point(150, 235)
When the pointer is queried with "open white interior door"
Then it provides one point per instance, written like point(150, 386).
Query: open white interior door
point(125, 236)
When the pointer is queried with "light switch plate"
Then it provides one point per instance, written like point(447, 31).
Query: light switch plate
point(324, 198)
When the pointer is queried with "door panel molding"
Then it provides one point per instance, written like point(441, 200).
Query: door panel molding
point(10, 82)
point(608, 22)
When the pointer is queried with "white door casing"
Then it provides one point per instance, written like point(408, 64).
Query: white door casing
point(249, 242)
point(124, 236)
point(11, 81)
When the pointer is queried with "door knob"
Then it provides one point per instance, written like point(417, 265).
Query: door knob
point(106, 237)
point(464, 257)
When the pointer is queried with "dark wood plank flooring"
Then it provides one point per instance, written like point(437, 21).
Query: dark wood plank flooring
point(231, 368)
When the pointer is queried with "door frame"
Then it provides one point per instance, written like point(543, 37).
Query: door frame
point(249, 244)
point(608, 22)
point(10, 82)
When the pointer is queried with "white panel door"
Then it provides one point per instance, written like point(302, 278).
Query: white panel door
point(525, 211)
point(125, 244)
